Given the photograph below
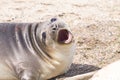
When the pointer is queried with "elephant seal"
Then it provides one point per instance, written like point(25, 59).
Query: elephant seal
point(35, 51)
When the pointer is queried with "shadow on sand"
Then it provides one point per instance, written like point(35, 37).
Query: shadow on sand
point(76, 69)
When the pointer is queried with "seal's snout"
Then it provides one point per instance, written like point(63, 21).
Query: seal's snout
point(64, 36)
point(53, 19)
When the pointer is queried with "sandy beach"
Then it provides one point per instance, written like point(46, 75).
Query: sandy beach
point(94, 23)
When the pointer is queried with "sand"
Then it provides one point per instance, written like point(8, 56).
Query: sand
point(94, 23)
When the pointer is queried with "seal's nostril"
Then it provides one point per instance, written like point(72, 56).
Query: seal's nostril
point(53, 19)
point(54, 28)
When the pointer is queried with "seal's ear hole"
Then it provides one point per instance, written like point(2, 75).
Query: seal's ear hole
point(44, 35)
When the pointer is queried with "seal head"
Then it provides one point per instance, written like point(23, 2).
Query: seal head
point(56, 31)
point(58, 43)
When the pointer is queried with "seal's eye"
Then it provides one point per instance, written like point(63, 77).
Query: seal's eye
point(44, 35)
point(53, 19)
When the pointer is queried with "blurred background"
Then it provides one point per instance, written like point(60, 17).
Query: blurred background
point(94, 23)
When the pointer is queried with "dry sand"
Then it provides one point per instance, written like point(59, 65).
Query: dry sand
point(95, 24)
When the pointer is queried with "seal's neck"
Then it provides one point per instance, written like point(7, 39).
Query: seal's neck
point(38, 47)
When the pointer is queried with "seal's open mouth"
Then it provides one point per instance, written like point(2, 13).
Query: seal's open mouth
point(64, 36)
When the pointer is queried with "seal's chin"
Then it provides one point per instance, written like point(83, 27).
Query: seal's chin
point(64, 36)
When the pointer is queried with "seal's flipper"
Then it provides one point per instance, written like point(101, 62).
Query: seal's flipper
point(27, 72)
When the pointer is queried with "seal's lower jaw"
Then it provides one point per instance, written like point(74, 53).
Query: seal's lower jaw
point(64, 36)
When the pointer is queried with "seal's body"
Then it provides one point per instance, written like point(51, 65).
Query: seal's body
point(35, 51)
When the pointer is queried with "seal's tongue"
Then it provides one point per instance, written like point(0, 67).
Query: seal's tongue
point(64, 36)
